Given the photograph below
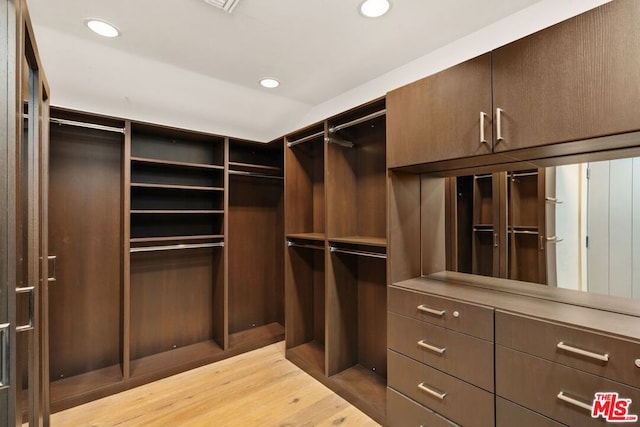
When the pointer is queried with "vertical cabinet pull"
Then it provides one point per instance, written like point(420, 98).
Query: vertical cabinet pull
point(439, 350)
point(574, 402)
point(4, 355)
point(483, 138)
point(598, 356)
point(54, 268)
point(432, 392)
point(499, 124)
point(30, 290)
point(426, 309)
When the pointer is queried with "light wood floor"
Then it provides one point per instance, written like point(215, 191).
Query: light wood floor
point(259, 388)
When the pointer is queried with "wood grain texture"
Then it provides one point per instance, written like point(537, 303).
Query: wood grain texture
point(575, 80)
point(509, 414)
point(403, 250)
point(438, 117)
point(86, 236)
point(254, 242)
point(432, 224)
point(260, 388)
point(403, 411)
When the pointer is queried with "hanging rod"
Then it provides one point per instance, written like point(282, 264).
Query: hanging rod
point(338, 141)
point(257, 175)
point(334, 129)
point(291, 243)
point(488, 175)
point(86, 125)
point(483, 229)
point(177, 247)
point(523, 232)
point(519, 174)
point(304, 139)
point(357, 252)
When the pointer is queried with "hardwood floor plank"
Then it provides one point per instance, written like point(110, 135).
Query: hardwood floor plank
point(258, 388)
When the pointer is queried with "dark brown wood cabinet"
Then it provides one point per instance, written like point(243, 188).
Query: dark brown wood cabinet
point(444, 116)
point(572, 81)
point(153, 229)
point(335, 269)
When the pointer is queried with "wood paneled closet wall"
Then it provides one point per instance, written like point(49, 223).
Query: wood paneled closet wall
point(168, 252)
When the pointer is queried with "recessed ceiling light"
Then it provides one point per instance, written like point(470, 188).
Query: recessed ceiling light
point(101, 27)
point(269, 83)
point(374, 8)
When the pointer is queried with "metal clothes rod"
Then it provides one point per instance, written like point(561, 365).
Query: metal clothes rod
point(257, 175)
point(86, 125)
point(177, 247)
point(483, 229)
point(357, 252)
point(304, 139)
point(516, 175)
point(334, 129)
point(522, 232)
point(304, 245)
point(338, 141)
point(482, 176)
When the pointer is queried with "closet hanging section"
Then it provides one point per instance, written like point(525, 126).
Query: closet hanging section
point(86, 125)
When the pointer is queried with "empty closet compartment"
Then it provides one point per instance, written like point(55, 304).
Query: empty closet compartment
point(254, 244)
point(356, 183)
point(305, 322)
point(176, 233)
point(305, 165)
point(356, 320)
point(86, 229)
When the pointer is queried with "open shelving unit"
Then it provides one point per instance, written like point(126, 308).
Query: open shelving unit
point(254, 231)
point(177, 234)
point(335, 254)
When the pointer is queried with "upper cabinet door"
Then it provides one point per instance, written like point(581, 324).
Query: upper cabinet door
point(439, 117)
point(576, 80)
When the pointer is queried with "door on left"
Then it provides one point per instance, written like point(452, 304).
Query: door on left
point(23, 246)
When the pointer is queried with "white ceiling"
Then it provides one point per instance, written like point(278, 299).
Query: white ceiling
point(185, 63)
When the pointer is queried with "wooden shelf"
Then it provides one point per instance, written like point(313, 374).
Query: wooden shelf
point(176, 360)
point(254, 166)
point(265, 334)
point(361, 240)
point(174, 187)
point(317, 237)
point(176, 238)
point(156, 162)
point(65, 391)
point(177, 212)
point(310, 358)
point(365, 389)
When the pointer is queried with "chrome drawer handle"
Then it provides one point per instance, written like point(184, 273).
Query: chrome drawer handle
point(426, 309)
point(499, 124)
point(602, 357)
point(433, 348)
point(432, 392)
point(574, 402)
point(483, 139)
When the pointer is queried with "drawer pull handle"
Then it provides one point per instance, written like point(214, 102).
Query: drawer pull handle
point(602, 357)
point(426, 309)
point(483, 139)
point(433, 348)
point(574, 402)
point(432, 392)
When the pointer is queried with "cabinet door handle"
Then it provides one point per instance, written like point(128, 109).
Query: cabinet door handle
point(483, 139)
point(426, 309)
point(499, 124)
point(432, 392)
point(574, 402)
point(598, 356)
point(4, 355)
point(439, 350)
point(31, 291)
point(54, 270)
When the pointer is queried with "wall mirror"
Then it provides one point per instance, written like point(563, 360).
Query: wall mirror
point(573, 225)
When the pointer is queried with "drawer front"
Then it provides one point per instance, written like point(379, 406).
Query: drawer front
point(470, 319)
point(404, 412)
point(545, 387)
point(566, 345)
point(508, 414)
point(463, 356)
point(455, 399)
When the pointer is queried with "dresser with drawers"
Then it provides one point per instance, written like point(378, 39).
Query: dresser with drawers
point(470, 355)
